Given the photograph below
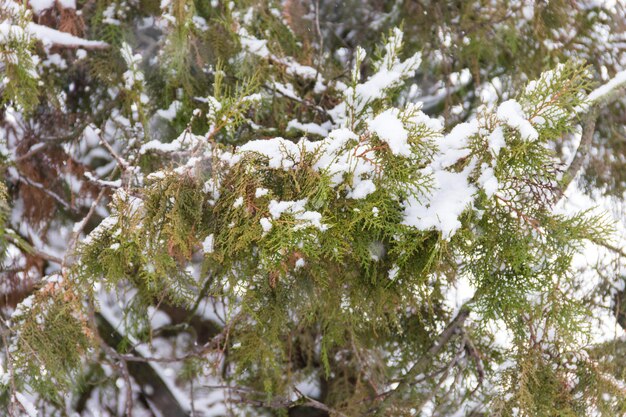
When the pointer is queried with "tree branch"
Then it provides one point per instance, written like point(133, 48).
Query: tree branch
point(143, 373)
point(420, 366)
point(588, 129)
point(600, 97)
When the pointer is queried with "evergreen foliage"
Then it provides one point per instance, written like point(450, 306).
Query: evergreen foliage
point(273, 208)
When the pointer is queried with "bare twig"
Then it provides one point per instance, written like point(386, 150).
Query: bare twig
point(50, 193)
point(75, 133)
point(588, 129)
point(310, 402)
point(422, 363)
point(281, 402)
point(319, 33)
point(123, 368)
point(442, 379)
point(35, 251)
point(121, 365)
point(5, 342)
point(121, 161)
point(77, 231)
point(598, 99)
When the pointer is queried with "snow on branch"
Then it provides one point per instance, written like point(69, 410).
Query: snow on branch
point(603, 92)
point(55, 37)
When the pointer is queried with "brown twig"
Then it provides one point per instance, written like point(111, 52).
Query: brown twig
point(50, 193)
point(76, 233)
point(121, 365)
point(35, 251)
point(588, 129)
point(422, 363)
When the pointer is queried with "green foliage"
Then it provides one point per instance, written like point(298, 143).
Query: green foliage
point(361, 275)
point(303, 249)
point(336, 280)
point(20, 80)
point(121, 251)
point(4, 207)
point(53, 339)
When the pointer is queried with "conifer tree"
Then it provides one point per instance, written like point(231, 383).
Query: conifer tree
point(293, 208)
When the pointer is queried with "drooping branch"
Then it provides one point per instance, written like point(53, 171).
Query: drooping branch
point(40, 254)
point(160, 397)
point(420, 366)
point(280, 403)
point(600, 97)
point(57, 38)
point(588, 130)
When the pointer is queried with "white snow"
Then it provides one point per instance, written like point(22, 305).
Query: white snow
point(416, 117)
point(186, 140)
point(383, 80)
point(496, 140)
point(109, 15)
point(67, 4)
point(29, 407)
point(105, 225)
point(488, 181)
point(266, 224)
point(300, 214)
point(511, 113)
point(258, 47)
point(170, 112)
point(260, 192)
point(277, 151)
point(253, 45)
point(616, 82)
point(441, 209)
point(390, 129)
point(56, 37)
point(390, 73)
point(458, 293)
point(238, 202)
point(454, 145)
point(39, 6)
point(286, 90)
point(393, 272)
point(207, 244)
point(313, 128)
point(363, 189)
point(277, 208)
